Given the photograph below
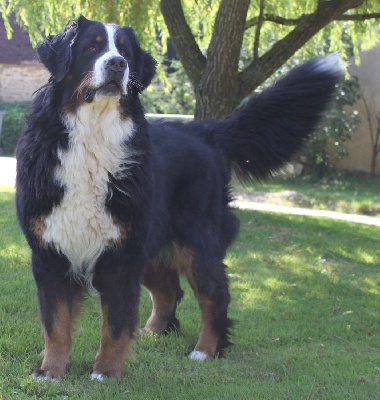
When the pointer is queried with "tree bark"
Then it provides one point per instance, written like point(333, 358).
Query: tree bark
point(192, 59)
point(375, 148)
point(215, 78)
point(218, 85)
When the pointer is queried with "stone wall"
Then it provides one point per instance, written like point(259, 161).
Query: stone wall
point(19, 81)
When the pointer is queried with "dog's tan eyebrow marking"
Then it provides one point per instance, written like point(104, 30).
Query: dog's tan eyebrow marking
point(121, 41)
point(99, 38)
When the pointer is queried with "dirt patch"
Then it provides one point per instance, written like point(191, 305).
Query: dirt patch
point(287, 197)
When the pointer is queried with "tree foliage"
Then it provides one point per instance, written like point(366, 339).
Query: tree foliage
point(227, 47)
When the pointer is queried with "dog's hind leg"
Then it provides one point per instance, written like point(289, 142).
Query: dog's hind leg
point(213, 299)
point(59, 300)
point(165, 291)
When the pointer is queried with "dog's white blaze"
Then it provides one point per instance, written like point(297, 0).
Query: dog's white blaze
point(80, 226)
point(99, 69)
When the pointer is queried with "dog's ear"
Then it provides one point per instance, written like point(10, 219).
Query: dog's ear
point(146, 69)
point(144, 63)
point(55, 51)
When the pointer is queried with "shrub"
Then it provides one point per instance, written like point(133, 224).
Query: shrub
point(12, 124)
point(174, 97)
point(327, 145)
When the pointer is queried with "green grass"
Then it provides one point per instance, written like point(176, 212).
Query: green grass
point(351, 193)
point(305, 297)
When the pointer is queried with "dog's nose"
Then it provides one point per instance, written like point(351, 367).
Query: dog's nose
point(116, 64)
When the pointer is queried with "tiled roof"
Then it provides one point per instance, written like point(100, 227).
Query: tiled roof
point(18, 50)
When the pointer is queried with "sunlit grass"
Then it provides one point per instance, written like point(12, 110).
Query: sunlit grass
point(350, 193)
point(305, 300)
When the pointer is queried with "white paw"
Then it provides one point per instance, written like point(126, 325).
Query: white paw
point(41, 377)
point(97, 377)
point(198, 355)
point(46, 377)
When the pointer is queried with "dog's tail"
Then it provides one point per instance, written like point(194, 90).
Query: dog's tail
point(266, 132)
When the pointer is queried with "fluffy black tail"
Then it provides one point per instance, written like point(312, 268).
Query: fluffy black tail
point(267, 131)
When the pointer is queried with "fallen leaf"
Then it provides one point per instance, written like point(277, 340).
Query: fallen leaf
point(276, 339)
point(335, 309)
point(347, 312)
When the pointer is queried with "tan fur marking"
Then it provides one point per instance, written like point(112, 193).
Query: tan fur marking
point(176, 257)
point(207, 340)
point(38, 227)
point(123, 236)
point(99, 39)
point(112, 354)
point(163, 305)
point(58, 344)
point(183, 260)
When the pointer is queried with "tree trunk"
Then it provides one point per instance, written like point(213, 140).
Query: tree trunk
point(216, 93)
point(215, 78)
point(218, 85)
point(375, 146)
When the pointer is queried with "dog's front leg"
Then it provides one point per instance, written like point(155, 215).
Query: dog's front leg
point(119, 295)
point(59, 300)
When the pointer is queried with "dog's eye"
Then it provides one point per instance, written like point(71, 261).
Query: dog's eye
point(124, 53)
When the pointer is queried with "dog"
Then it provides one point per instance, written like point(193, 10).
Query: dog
point(110, 202)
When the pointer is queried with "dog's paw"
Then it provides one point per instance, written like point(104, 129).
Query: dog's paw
point(42, 375)
point(97, 377)
point(198, 355)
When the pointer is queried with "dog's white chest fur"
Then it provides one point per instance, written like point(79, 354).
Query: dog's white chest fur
point(80, 226)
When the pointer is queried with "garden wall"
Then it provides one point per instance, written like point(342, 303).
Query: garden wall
point(19, 81)
point(359, 147)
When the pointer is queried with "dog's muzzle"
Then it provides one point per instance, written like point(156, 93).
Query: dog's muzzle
point(112, 78)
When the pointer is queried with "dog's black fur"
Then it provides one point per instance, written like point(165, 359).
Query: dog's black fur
point(168, 199)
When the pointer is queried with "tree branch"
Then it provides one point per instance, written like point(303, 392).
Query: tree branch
point(369, 119)
point(260, 22)
point(261, 69)
point(358, 17)
point(192, 59)
point(294, 21)
point(271, 18)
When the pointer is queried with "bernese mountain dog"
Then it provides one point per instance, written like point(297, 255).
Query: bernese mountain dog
point(108, 201)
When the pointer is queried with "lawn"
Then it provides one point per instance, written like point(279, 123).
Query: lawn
point(305, 298)
point(345, 192)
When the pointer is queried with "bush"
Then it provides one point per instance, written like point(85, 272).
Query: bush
point(12, 124)
point(174, 97)
point(327, 145)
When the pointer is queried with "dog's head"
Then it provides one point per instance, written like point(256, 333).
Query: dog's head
point(96, 59)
